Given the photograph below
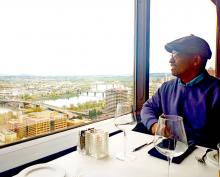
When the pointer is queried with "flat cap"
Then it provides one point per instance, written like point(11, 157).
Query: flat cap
point(192, 45)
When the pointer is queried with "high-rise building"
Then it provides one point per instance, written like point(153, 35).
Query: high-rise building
point(113, 97)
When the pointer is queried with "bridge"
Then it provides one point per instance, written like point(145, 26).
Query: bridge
point(18, 104)
point(95, 92)
point(51, 107)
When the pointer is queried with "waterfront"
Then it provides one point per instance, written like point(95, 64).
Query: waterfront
point(51, 104)
point(67, 102)
point(96, 93)
point(4, 110)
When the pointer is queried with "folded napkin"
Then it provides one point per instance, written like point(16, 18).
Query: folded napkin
point(177, 160)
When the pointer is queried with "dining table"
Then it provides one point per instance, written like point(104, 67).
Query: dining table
point(77, 164)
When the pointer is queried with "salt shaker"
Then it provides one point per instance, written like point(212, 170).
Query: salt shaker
point(99, 144)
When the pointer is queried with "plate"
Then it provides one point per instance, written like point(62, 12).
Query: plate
point(41, 170)
point(212, 157)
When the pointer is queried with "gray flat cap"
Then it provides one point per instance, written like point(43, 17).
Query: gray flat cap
point(190, 45)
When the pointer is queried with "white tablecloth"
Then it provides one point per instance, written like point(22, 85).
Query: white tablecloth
point(77, 165)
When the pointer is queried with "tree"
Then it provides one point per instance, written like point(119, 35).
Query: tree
point(92, 113)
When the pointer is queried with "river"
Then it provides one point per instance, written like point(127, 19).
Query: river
point(75, 100)
point(4, 110)
point(101, 88)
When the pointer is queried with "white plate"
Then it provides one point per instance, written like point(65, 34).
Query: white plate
point(212, 157)
point(42, 170)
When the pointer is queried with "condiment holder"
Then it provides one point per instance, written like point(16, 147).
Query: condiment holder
point(93, 142)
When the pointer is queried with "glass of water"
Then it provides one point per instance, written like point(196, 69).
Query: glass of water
point(125, 120)
point(170, 137)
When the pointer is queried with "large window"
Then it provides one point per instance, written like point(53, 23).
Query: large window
point(172, 19)
point(68, 63)
point(63, 64)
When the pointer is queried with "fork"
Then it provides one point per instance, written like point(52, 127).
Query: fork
point(201, 160)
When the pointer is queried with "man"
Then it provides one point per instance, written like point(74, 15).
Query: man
point(193, 94)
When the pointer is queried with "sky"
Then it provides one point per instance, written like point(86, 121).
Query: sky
point(172, 19)
point(72, 37)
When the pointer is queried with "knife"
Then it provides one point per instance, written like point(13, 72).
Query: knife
point(143, 145)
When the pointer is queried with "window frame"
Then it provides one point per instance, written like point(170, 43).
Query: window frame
point(217, 64)
point(36, 148)
point(142, 52)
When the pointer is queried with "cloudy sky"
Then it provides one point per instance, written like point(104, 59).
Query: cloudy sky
point(72, 37)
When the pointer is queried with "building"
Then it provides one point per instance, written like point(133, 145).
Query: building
point(37, 125)
point(77, 122)
point(211, 71)
point(58, 120)
point(16, 126)
point(7, 136)
point(113, 97)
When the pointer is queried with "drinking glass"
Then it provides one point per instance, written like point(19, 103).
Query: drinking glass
point(170, 137)
point(125, 120)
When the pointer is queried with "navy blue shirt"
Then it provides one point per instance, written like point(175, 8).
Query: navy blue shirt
point(198, 102)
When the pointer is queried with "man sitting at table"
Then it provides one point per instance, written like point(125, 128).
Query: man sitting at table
point(193, 94)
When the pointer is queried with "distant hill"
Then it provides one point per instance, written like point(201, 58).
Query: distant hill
point(91, 77)
point(160, 74)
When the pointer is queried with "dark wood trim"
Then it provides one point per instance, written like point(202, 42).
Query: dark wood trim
point(214, 1)
point(218, 40)
point(142, 50)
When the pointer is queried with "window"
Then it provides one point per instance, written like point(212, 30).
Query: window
point(173, 19)
point(64, 64)
point(63, 51)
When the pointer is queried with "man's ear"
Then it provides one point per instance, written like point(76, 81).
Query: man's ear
point(197, 60)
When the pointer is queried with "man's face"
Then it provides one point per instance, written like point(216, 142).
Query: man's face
point(181, 64)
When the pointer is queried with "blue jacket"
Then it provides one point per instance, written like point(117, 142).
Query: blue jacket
point(198, 102)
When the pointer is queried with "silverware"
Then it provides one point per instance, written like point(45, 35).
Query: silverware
point(143, 145)
point(201, 160)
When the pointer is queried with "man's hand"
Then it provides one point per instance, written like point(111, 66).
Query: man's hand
point(165, 131)
point(154, 128)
